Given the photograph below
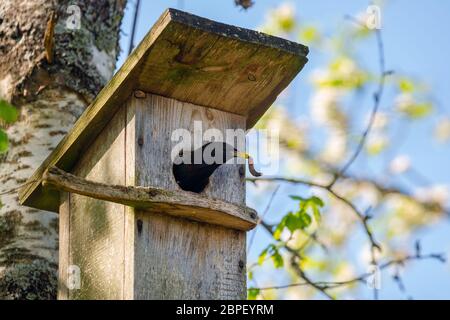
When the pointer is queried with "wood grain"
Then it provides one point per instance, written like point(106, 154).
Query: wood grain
point(177, 258)
point(157, 118)
point(63, 251)
point(180, 259)
point(134, 241)
point(97, 241)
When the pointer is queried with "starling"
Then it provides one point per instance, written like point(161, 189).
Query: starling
point(192, 175)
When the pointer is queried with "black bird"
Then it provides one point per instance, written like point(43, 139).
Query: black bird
point(192, 169)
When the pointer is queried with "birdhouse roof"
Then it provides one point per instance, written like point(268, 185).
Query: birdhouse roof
point(190, 59)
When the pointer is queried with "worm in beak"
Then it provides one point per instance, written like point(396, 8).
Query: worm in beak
point(251, 163)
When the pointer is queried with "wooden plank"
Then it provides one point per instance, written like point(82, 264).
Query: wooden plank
point(177, 258)
point(219, 69)
point(64, 240)
point(97, 243)
point(130, 215)
point(91, 123)
point(190, 59)
point(176, 203)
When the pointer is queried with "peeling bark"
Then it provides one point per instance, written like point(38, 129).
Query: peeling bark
point(50, 97)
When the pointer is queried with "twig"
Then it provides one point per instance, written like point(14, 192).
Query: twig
point(13, 190)
point(327, 285)
point(363, 218)
point(313, 284)
point(133, 28)
point(294, 264)
point(252, 238)
point(377, 99)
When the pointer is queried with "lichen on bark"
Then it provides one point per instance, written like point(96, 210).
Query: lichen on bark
point(32, 281)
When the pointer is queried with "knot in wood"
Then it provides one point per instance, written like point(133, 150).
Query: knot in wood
point(152, 193)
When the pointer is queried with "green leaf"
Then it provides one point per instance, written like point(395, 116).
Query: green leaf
point(293, 222)
point(278, 231)
point(317, 215)
point(317, 201)
point(277, 259)
point(252, 293)
point(7, 112)
point(274, 254)
point(297, 198)
point(4, 142)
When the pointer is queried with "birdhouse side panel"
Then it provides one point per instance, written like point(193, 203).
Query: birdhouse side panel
point(97, 243)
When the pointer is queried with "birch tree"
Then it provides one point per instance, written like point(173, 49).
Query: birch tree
point(55, 56)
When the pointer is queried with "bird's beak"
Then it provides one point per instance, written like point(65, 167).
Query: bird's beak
point(242, 155)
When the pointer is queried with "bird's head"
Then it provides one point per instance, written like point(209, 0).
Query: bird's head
point(193, 168)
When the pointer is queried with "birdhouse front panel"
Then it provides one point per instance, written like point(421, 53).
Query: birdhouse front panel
point(162, 126)
point(181, 258)
point(92, 237)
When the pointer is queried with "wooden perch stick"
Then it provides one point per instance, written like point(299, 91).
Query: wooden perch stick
point(177, 203)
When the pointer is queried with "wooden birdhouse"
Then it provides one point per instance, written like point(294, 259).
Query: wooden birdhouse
point(127, 228)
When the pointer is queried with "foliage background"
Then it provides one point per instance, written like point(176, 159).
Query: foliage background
point(326, 110)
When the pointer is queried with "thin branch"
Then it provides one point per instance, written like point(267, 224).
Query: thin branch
point(133, 28)
point(327, 285)
point(294, 264)
point(377, 99)
point(311, 283)
point(16, 189)
point(363, 218)
point(269, 204)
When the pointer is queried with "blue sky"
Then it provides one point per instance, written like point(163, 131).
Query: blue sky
point(416, 43)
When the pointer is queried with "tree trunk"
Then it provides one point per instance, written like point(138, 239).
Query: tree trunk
point(51, 82)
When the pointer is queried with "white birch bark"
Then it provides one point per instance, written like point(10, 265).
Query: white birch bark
point(50, 97)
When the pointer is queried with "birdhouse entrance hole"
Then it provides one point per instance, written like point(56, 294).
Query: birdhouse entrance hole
point(193, 168)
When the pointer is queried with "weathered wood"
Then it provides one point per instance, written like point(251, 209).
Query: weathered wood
point(190, 59)
point(180, 203)
point(64, 241)
point(178, 258)
point(147, 250)
point(97, 239)
point(130, 214)
point(130, 229)
point(220, 66)
point(156, 118)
